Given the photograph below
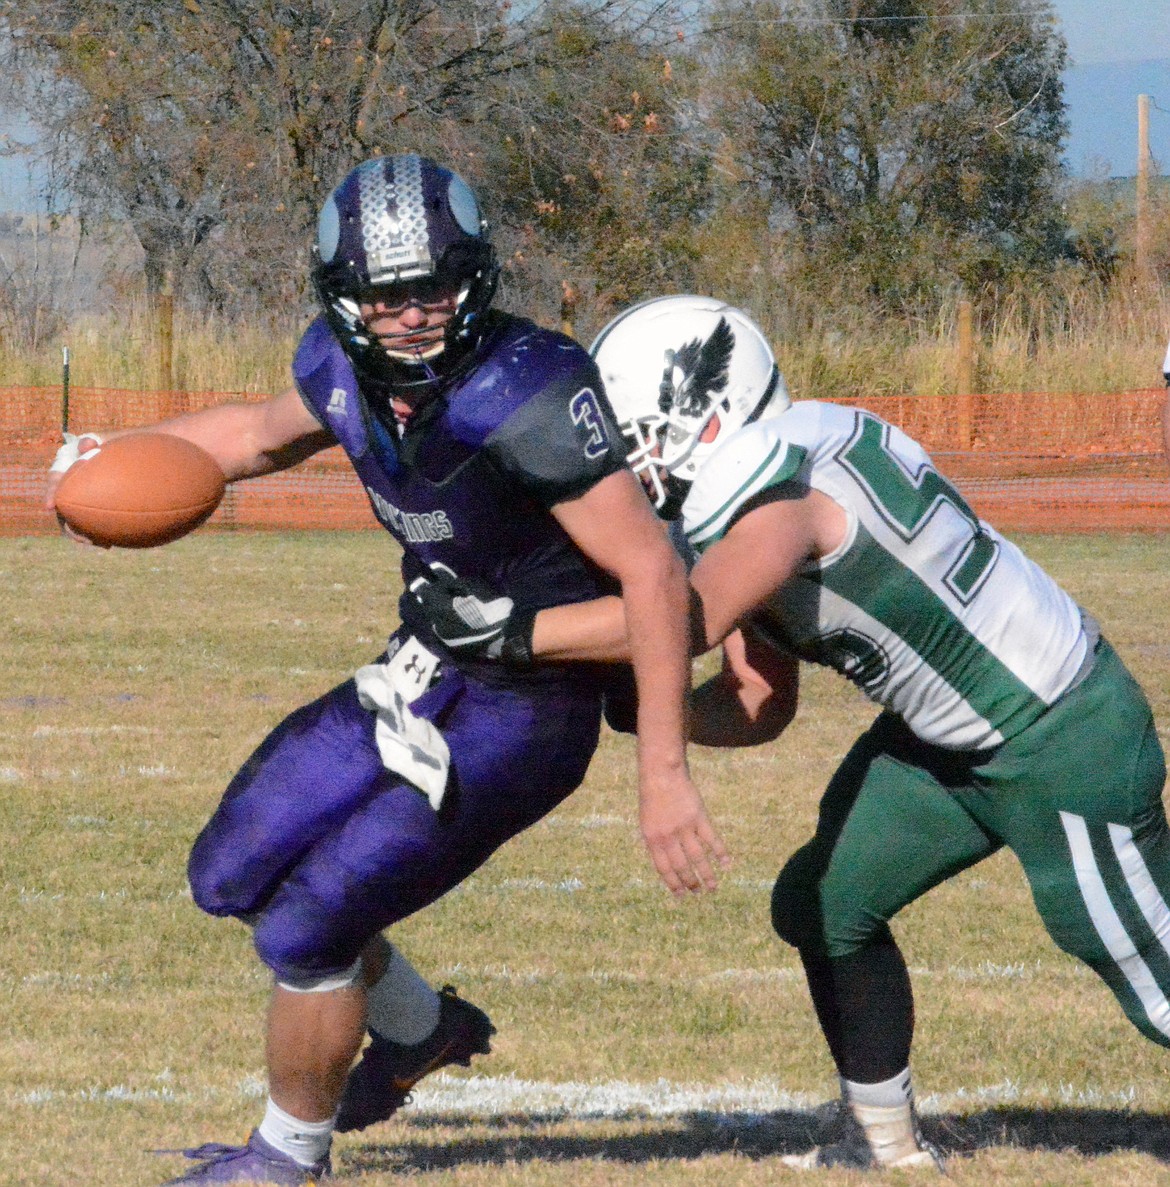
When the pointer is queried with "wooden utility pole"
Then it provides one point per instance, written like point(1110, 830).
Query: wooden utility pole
point(165, 312)
point(1141, 255)
point(569, 298)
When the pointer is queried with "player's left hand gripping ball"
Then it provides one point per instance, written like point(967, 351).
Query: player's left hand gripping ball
point(140, 491)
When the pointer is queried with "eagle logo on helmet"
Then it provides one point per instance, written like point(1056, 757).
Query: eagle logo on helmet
point(696, 372)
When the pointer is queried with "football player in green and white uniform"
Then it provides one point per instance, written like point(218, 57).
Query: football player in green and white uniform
point(824, 534)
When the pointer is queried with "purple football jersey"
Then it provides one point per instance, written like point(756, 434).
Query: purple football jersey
point(471, 480)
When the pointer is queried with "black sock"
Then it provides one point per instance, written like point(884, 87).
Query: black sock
point(865, 1007)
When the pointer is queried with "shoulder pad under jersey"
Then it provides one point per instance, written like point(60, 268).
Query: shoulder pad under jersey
point(518, 363)
point(326, 381)
point(749, 462)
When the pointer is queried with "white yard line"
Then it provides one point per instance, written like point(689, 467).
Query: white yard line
point(743, 1102)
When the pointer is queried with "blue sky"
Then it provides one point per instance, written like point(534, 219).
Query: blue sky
point(1115, 30)
point(1119, 49)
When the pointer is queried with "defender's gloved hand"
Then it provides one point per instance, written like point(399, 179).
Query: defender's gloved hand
point(471, 620)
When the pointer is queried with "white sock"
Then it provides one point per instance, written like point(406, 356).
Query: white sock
point(400, 1005)
point(305, 1141)
point(885, 1112)
point(897, 1090)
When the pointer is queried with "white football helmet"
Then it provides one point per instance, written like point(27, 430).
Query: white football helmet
point(683, 373)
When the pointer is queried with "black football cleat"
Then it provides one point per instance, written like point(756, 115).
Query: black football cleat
point(380, 1083)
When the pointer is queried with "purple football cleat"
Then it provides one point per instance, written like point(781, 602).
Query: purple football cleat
point(257, 1162)
point(380, 1084)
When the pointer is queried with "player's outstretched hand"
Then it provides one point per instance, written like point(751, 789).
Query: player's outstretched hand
point(75, 447)
point(681, 839)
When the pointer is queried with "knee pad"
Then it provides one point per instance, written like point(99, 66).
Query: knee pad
point(220, 884)
point(207, 889)
point(302, 962)
point(305, 982)
point(796, 905)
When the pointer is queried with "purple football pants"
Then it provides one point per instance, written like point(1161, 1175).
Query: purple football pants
point(319, 847)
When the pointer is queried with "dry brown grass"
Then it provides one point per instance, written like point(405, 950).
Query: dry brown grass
point(134, 684)
point(1083, 340)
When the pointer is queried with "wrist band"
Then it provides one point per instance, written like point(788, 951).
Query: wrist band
point(516, 652)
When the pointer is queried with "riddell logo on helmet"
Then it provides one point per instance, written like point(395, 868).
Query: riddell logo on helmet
point(695, 372)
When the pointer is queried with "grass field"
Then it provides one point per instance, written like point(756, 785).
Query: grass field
point(640, 1040)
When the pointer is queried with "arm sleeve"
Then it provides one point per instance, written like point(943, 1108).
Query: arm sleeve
point(320, 369)
point(308, 403)
point(562, 441)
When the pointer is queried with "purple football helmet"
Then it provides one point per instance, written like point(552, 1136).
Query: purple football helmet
point(403, 227)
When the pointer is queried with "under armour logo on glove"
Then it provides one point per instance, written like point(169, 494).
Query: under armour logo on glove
point(413, 669)
point(473, 621)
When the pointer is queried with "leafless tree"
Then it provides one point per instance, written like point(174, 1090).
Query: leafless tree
point(215, 127)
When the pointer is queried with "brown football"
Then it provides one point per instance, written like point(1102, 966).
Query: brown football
point(140, 490)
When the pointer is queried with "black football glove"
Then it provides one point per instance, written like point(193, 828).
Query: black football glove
point(472, 621)
point(621, 699)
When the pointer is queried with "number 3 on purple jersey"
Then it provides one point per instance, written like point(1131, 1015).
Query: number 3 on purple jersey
point(587, 415)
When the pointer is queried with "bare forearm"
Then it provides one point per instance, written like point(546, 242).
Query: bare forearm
point(224, 432)
point(248, 440)
point(240, 440)
point(655, 602)
point(650, 611)
point(594, 631)
point(614, 527)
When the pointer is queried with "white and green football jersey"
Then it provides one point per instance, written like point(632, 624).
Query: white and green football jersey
point(927, 609)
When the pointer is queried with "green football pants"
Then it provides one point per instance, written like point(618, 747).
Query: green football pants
point(1077, 796)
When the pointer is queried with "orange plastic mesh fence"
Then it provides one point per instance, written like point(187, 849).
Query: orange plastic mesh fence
point(323, 492)
point(1034, 461)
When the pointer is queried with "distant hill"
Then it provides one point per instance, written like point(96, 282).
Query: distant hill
point(1102, 103)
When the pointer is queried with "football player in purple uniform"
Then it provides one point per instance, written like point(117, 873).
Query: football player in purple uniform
point(490, 454)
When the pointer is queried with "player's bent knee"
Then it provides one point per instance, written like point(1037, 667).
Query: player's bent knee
point(818, 912)
point(226, 875)
point(214, 890)
point(303, 971)
point(796, 909)
point(301, 957)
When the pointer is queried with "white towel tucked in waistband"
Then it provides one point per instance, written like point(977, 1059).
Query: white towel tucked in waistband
point(410, 746)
